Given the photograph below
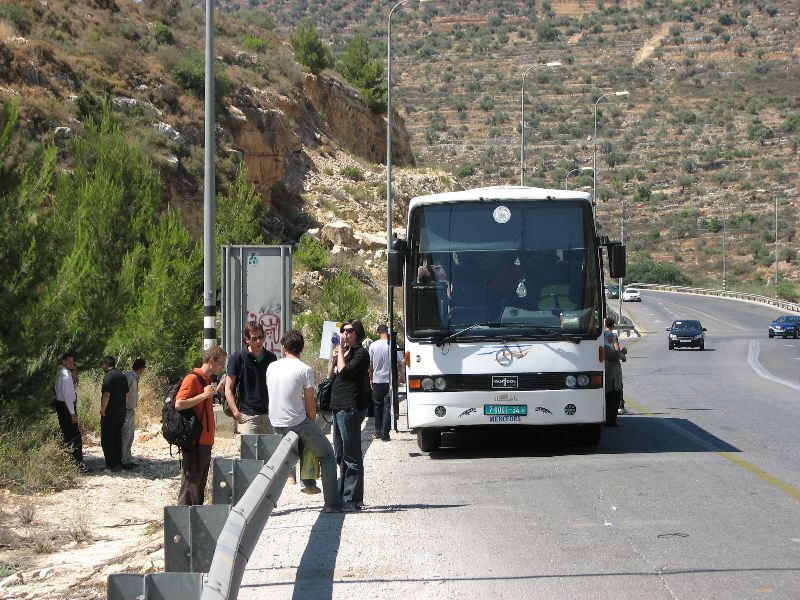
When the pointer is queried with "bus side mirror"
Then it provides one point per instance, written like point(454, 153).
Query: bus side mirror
point(617, 261)
point(396, 259)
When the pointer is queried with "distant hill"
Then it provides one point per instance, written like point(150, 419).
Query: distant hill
point(707, 139)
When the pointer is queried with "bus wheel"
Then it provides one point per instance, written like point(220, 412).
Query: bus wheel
point(428, 439)
point(589, 435)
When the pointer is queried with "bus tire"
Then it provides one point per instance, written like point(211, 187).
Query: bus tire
point(429, 439)
point(589, 435)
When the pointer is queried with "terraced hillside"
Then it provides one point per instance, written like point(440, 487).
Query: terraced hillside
point(705, 142)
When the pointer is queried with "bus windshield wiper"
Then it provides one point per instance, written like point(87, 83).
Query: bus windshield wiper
point(454, 335)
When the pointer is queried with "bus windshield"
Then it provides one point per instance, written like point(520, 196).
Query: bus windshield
point(503, 269)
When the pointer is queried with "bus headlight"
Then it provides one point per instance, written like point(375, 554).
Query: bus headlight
point(427, 384)
point(570, 381)
point(439, 383)
point(583, 380)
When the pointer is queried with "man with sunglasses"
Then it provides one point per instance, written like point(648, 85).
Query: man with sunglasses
point(247, 379)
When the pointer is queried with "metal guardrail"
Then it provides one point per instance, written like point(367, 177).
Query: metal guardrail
point(784, 304)
point(191, 532)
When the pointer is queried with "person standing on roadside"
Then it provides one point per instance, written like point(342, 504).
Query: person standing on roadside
point(112, 414)
point(66, 406)
point(247, 376)
point(197, 392)
point(614, 356)
point(294, 408)
point(379, 381)
point(129, 427)
point(349, 401)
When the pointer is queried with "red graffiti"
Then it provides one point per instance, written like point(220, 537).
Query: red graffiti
point(271, 322)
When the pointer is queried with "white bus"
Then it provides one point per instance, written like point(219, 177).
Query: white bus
point(503, 299)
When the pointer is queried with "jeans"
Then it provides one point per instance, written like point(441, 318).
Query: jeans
point(127, 435)
point(382, 401)
point(312, 436)
point(347, 445)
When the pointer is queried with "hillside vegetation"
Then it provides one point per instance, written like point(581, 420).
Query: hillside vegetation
point(708, 138)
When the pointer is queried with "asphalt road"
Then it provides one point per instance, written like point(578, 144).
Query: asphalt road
point(695, 495)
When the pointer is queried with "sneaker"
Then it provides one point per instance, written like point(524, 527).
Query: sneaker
point(386, 439)
point(359, 505)
point(622, 411)
point(331, 509)
point(349, 507)
point(310, 489)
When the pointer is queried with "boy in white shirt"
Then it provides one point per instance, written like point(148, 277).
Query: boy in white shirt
point(292, 407)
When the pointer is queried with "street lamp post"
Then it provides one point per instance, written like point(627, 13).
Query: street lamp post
point(390, 290)
point(594, 182)
point(522, 119)
point(566, 177)
point(776, 246)
point(724, 236)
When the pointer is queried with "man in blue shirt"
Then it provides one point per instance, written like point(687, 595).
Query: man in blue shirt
point(246, 382)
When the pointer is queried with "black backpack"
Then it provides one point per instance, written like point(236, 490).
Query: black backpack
point(180, 428)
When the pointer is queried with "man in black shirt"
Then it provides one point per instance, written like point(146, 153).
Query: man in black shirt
point(112, 413)
point(246, 382)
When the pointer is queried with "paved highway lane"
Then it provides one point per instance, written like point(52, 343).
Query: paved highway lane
point(695, 495)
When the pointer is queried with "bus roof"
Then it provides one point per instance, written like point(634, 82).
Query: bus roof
point(501, 192)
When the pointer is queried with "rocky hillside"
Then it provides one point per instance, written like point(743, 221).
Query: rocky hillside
point(708, 138)
point(62, 60)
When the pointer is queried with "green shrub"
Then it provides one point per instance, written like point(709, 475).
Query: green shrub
point(352, 172)
point(646, 270)
point(365, 72)
point(465, 171)
point(32, 459)
point(253, 42)
point(19, 16)
point(785, 290)
point(163, 34)
point(342, 297)
point(190, 74)
point(311, 253)
point(309, 49)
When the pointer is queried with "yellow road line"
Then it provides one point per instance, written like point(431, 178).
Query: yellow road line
point(729, 456)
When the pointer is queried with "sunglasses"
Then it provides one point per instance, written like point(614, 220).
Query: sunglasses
point(256, 338)
point(348, 330)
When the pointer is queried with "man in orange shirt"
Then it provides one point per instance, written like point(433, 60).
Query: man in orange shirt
point(196, 461)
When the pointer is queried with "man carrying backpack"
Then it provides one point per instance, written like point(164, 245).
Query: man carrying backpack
point(247, 377)
point(196, 459)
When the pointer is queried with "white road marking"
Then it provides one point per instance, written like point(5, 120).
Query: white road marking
point(752, 360)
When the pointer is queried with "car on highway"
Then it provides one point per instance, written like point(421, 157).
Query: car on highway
point(612, 291)
point(785, 326)
point(687, 332)
point(631, 295)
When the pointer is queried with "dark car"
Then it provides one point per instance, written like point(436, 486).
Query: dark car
point(785, 325)
point(612, 291)
point(687, 332)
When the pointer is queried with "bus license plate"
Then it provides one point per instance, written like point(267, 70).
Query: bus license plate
point(505, 409)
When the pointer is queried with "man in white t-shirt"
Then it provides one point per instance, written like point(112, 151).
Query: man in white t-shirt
point(292, 407)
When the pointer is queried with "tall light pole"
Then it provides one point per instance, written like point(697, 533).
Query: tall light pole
point(763, 191)
point(776, 246)
point(724, 235)
point(522, 119)
point(594, 182)
point(390, 289)
point(209, 203)
point(566, 177)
